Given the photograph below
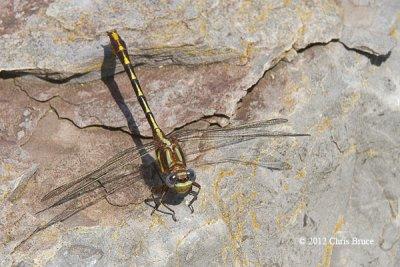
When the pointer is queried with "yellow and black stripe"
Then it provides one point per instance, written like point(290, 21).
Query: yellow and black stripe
point(119, 48)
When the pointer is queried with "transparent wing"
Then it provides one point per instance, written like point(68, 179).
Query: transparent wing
point(120, 169)
point(272, 165)
point(81, 199)
point(214, 138)
point(124, 170)
point(243, 129)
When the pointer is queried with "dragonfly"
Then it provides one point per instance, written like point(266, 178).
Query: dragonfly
point(127, 170)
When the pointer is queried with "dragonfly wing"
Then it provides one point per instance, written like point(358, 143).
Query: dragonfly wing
point(239, 132)
point(123, 166)
point(200, 141)
point(133, 189)
point(84, 197)
point(251, 127)
point(272, 165)
point(74, 207)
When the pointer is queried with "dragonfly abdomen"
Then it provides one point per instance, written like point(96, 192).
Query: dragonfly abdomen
point(121, 51)
point(169, 154)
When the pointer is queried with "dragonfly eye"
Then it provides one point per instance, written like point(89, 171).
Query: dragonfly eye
point(191, 174)
point(170, 180)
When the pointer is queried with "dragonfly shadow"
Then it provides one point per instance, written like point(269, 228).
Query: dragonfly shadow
point(108, 70)
point(151, 174)
point(108, 67)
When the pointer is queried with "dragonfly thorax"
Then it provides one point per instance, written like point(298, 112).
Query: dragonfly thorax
point(171, 161)
point(170, 157)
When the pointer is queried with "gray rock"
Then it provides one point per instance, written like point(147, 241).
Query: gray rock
point(343, 182)
point(338, 184)
point(78, 255)
point(369, 26)
point(347, 184)
point(61, 40)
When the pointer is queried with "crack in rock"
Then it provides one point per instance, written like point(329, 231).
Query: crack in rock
point(216, 117)
point(121, 129)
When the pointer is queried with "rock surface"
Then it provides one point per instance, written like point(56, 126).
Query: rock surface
point(331, 68)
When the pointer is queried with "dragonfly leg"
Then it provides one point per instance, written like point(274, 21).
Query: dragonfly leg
point(157, 203)
point(155, 200)
point(165, 205)
point(160, 201)
point(195, 194)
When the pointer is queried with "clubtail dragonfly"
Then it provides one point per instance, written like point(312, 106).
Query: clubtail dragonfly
point(125, 170)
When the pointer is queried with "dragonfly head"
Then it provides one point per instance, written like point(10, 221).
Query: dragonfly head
point(181, 181)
